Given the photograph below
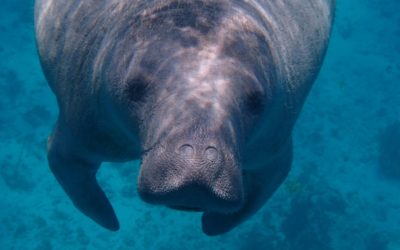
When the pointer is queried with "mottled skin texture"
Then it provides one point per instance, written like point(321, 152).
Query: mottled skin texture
point(205, 93)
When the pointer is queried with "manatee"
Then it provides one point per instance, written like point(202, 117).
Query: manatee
point(205, 93)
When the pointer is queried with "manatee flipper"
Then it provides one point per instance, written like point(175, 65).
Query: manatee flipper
point(77, 176)
point(260, 186)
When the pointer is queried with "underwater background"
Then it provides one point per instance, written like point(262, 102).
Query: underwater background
point(343, 191)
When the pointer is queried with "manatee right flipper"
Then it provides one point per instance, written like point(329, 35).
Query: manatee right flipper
point(77, 176)
point(260, 186)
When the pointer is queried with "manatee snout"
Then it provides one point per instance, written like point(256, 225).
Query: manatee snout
point(192, 176)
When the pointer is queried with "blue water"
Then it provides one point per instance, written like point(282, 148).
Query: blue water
point(343, 191)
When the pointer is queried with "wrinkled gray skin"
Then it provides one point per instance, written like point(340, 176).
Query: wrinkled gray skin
point(205, 93)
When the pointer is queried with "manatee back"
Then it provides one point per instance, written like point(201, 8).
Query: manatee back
point(70, 35)
point(299, 32)
point(67, 34)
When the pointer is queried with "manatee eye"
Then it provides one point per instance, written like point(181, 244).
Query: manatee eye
point(136, 89)
point(255, 102)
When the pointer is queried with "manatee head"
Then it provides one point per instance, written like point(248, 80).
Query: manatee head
point(197, 87)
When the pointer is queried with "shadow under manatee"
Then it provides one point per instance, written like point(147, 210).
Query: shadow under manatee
point(389, 152)
point(307, 222)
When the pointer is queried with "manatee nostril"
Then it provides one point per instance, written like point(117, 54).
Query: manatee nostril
point(211, 153)
point(186, 150)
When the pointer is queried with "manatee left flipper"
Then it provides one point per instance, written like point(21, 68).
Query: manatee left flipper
point(260, 185)
point(77, 176)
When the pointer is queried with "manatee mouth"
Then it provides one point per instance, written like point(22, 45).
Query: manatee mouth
point(187, 208)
